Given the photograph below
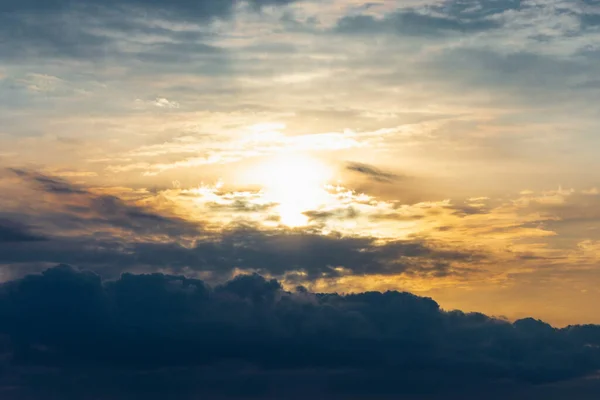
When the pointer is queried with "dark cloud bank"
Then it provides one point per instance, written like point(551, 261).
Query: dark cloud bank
point(68, 334)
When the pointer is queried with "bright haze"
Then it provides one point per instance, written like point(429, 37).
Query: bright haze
point(241, 194)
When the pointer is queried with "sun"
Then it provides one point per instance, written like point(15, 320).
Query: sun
point(296, 183)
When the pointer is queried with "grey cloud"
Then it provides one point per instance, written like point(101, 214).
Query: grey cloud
point(318, 256)
point(454, 16)
point(396, 217)
point(104, 30)
point(348, 213)
point(479, 9)
point(48, 35)
point(13, 232)
point(528, 77)
point(590, 20)
point(522, 78)
point(465, 210)
point(90, 210)
point(101, 37)
point(372, 172)
point(49, 184)
point(182, 52)
point(185, 9)
point(486, 67)
point(412, 23)
point(240, 205)
point(578, 213)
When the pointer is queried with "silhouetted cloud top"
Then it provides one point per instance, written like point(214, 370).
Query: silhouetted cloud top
point(66, 317)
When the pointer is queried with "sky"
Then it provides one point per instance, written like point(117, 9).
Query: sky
point(445, 148)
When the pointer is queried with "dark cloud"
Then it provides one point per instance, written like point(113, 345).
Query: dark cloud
point(108, 234)
point(277, 253)
point(49, 184)
point(372, 172)
point(79, 208)
point(464, 210)
point(316, 255)
point(11, 232)
point(249, 337)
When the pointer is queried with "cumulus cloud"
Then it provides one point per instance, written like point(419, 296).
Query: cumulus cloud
point(366, 343)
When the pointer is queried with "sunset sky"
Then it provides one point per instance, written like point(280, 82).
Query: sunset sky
point(444, 148)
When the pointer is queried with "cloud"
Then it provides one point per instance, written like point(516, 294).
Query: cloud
point(366, 343)
point(433, 19)
point(261, 141)
point(185, 9)
point(372, 172)
point(79, 207)
point(106, 233)
point(12, 232)
point(49, 184)
point(296, 256)
point(161, 102)
point(100, 30)
point(412, 23)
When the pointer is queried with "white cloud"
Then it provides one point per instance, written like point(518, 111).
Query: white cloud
point(161, 102)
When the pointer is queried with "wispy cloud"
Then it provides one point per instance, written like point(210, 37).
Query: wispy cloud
point(372, 172)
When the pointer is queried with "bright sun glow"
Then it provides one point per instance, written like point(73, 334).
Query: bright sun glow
point(296, 183)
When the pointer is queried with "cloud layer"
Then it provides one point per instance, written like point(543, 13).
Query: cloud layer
point(379, 343)
point(106, 233)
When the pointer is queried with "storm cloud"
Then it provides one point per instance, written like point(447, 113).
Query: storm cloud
point(367, 343)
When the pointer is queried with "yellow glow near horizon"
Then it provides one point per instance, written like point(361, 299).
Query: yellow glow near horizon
point(296, 183)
